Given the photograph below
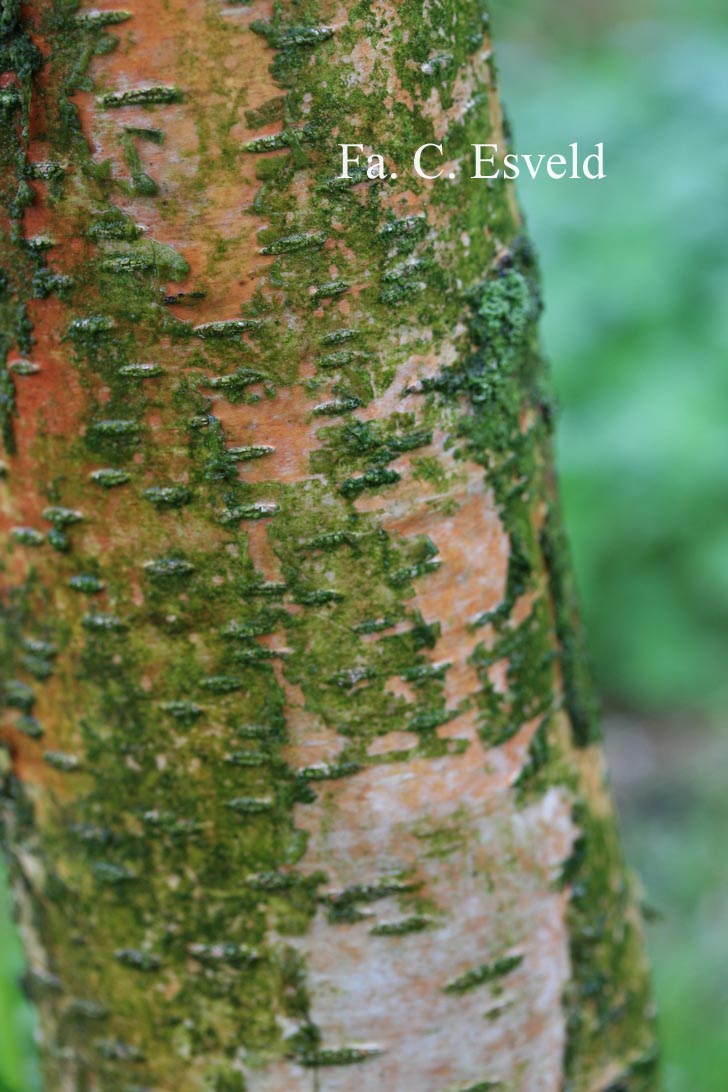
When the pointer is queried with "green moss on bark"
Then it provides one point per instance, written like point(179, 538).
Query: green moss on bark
point(168, 856)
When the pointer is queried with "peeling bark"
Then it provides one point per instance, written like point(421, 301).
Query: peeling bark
point(302, 787)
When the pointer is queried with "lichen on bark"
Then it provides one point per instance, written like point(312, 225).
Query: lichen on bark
point(302, 780)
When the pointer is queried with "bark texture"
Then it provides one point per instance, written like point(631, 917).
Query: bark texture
point(301, 785)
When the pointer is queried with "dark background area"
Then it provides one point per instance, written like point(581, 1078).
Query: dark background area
point(636, 326)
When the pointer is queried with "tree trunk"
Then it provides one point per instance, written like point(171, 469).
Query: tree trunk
point(301, 787)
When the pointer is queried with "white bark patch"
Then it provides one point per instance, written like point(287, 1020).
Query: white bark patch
point(486, 872)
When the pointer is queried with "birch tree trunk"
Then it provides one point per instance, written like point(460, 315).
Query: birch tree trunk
point(301, 780)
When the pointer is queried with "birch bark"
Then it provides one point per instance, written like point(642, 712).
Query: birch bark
point(302, 788)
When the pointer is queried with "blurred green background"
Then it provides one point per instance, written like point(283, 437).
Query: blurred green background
point(635, 272)
point(636, 325)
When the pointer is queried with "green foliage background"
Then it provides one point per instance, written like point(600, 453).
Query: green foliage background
point(636, 324)
point(636, 282)
point(637, 328)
